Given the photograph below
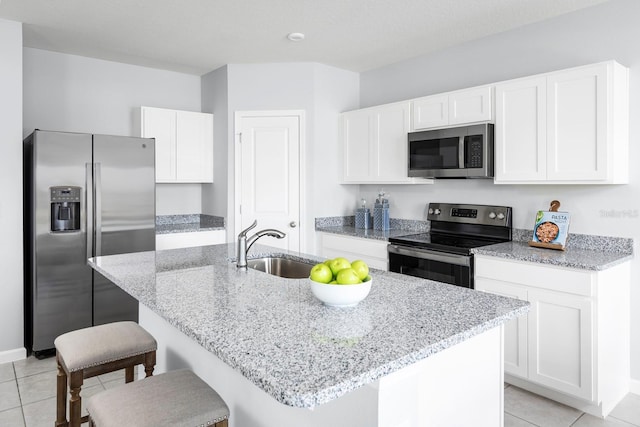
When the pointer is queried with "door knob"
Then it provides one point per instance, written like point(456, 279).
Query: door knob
point(293, 224)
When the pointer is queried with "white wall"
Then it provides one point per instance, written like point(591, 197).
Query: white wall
point(11, 302)
point(607, 31)
point(78, 94)
point(322, 92)
point(215, 100)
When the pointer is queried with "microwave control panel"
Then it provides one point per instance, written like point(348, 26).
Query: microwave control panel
point(474, 151)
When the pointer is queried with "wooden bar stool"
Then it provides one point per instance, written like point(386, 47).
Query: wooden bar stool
point(177, 398)
point(89, 352)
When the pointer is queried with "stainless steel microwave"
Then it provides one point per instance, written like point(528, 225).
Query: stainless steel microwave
point(458, 152)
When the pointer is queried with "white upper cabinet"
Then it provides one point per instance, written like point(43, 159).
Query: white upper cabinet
point(184, 144)
point(430, 112)
point(566, 127)
point(453, 108)
point(521, 130)
point(375, 144)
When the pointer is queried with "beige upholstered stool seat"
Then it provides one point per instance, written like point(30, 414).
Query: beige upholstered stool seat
point(89, 347)
point(89, 352)
point(177, 398)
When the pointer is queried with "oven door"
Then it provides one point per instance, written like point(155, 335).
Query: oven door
point(454, 269)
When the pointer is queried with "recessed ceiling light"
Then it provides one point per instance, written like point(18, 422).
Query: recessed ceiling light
point(295, 37)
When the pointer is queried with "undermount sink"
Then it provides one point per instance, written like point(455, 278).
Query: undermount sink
point(281, 267)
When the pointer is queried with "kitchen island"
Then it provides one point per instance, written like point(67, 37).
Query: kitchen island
point(414, 352)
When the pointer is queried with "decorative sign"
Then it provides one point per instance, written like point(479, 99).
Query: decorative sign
point(551, 228)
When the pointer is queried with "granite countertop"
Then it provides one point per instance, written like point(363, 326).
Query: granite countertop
point(583, 251)
point(279, 336)
point(169, 224)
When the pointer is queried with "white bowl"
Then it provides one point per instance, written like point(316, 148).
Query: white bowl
point(340, 295)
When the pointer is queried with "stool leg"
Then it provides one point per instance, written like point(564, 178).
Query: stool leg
point(149, 363)
point(61, 396)
point(128, 374)
point(75, 403)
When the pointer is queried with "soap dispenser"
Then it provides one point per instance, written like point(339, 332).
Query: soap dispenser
point(381, 212)
point(363, 215)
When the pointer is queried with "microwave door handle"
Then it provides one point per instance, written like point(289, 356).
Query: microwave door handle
point(461, 163)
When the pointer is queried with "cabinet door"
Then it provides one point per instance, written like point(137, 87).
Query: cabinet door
point(520, 131)
point(194, 147)
point(468, 106)
point(357, 137)
point(561, 342)
point(390, 143)
point(577, 124)
point(515, 331)
point(160, 124)
point(430, 112)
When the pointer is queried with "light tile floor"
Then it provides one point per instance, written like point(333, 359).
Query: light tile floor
point(28, 391)
point(28, 388)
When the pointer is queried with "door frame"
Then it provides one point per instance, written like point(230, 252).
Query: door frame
point(300, 115)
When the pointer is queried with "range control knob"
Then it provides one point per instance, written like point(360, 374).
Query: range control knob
point(492, 215)
point(500, 215)
point(437, 211)
point(430, 211)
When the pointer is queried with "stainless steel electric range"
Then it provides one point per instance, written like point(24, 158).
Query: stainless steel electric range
point(444, 253)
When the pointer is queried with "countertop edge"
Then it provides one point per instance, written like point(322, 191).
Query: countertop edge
point(290, 398)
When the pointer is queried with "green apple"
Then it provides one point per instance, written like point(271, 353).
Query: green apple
point(333, 282)
point(361, 268)
point(321, 273)
point(366, 279)
point(338, 264)
point(347, 276)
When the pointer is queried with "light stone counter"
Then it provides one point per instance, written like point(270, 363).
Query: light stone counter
point(171, 224)
point(286, 342)
point(584, 252)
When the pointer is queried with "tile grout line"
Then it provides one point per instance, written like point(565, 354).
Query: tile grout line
point(15, 378)
point(522, 419)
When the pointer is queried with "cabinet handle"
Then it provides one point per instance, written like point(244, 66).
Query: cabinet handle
point(293, 224)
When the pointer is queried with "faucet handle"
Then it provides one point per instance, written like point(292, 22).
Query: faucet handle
point(244, 232)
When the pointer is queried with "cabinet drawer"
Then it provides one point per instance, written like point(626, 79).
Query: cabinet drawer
point(549, 277)
point(373, 252)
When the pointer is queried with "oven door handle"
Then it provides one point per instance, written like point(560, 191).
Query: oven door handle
point(431, 255)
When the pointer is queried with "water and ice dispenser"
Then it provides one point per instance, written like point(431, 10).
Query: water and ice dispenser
point(65, 209)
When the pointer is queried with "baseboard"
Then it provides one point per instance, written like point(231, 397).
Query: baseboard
point(13, 355)
point(634, 386)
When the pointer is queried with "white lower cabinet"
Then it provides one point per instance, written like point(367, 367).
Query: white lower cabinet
point(515, 331)
point(573, 345)
point(371, 251)
point(186, 240)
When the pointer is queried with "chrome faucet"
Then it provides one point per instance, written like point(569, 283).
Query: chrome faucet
point(244, 244)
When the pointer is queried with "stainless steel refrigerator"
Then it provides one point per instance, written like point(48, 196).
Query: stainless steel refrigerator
point(84, 195)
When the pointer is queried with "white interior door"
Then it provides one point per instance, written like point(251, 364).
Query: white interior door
point(268, 180)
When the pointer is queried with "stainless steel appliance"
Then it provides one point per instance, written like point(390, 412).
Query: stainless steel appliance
point(444, 253)
point(84, 195)
point(459, 152)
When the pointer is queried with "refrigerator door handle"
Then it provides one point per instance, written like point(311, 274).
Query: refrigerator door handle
point(88, 211)
point(98, 207)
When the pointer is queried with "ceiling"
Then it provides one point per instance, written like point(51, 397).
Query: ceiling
point(198, 36)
